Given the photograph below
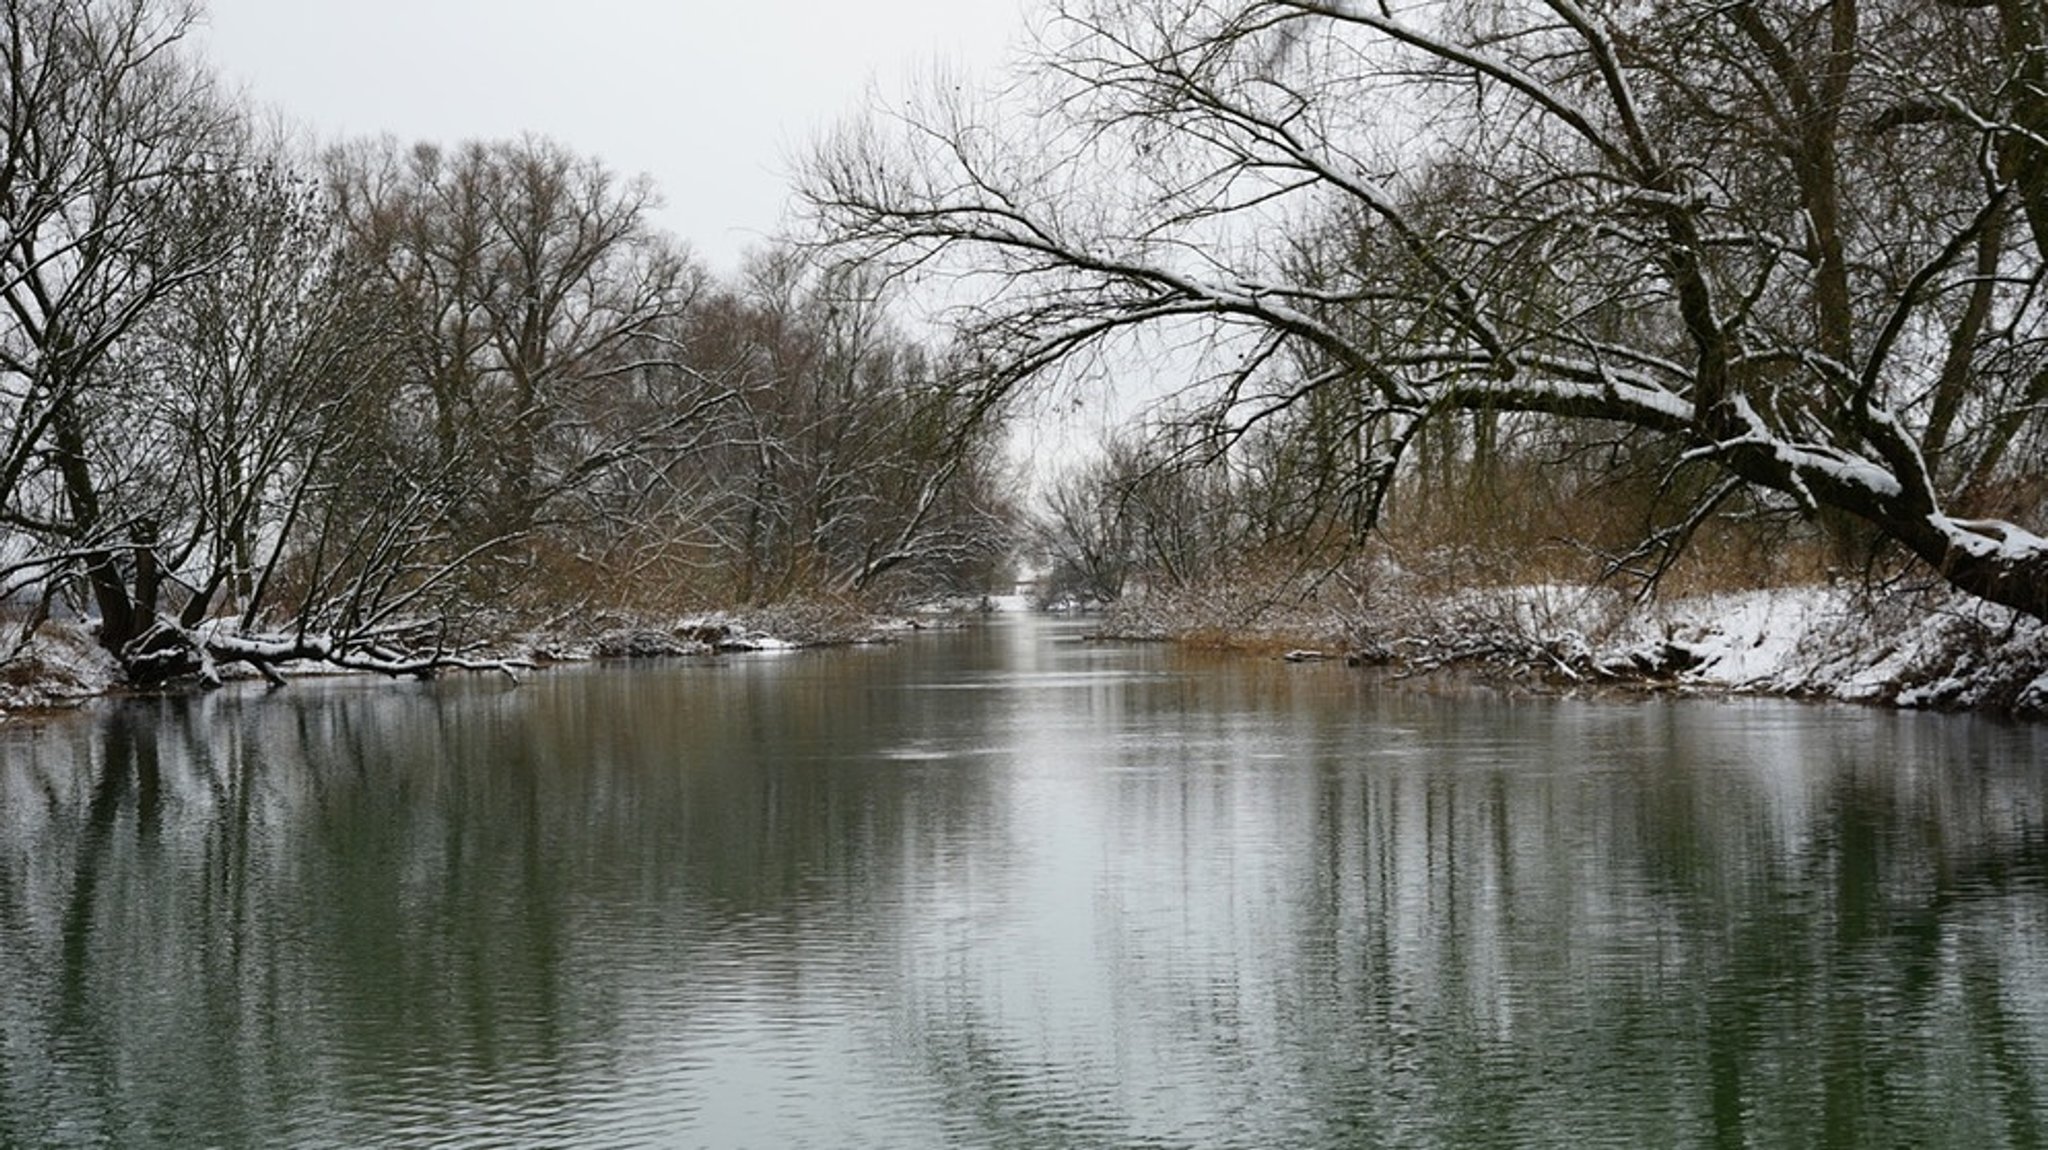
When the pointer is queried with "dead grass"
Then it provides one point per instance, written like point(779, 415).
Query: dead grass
point(1537, 524)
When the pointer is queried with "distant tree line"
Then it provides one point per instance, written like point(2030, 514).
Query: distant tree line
point(264, 404)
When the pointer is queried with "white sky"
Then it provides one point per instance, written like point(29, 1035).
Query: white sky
point(711, 99)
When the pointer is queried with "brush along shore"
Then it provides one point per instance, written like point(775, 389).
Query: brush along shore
point(61, 665)
point(1915, 649)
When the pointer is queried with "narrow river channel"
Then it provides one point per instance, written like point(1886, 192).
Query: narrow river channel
point(1007, 888)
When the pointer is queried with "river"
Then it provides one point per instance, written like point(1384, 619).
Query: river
point(1007, 888)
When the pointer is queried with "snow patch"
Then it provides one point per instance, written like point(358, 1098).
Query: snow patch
point(1931, 648)
point(60, 666)
point(1990, 538)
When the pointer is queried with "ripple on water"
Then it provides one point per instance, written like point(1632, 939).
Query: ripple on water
point(697, 905)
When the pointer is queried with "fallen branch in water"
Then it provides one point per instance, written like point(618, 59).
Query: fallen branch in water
point(168, 651)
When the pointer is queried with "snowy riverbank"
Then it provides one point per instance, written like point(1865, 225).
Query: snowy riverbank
point(62, 666)
point(1924, 649)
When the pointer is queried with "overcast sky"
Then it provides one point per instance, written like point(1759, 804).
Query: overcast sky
point(710, 99)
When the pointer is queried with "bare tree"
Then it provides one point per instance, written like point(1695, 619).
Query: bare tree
point(529, 284)
point(184, 354)
point(856, 459)
point(939, 512)
point(1082, 534)
point(1778, 238)
point(262, 370)
point(110, 140)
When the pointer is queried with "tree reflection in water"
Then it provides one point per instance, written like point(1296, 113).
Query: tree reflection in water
point(991, 890)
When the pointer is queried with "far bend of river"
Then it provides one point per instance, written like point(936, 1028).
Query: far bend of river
point(1003, 888)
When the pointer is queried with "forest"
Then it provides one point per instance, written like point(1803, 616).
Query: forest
point(372, 404)
point(1655, 298)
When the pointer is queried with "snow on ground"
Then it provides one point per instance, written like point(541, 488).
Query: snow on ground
point(60, 666)
point(1746, 639)
point(1928, 649)
point(63, 665)
point(1920, 649)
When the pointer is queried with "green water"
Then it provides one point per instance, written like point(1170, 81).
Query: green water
point(1003, 888)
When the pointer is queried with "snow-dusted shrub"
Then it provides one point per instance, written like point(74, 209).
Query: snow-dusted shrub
point(60, 665)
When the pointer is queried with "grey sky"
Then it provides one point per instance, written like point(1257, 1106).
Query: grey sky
point(710, 99)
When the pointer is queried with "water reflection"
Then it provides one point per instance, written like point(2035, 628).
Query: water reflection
point(1007, 889)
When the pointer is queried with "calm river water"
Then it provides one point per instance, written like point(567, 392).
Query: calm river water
point(1004, 888)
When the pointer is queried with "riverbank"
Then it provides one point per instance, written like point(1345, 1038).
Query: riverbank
point(783, 627)
point(62, 667)
point(1912, 649)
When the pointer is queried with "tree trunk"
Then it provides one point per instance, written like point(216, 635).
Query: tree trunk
point(102, 566)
